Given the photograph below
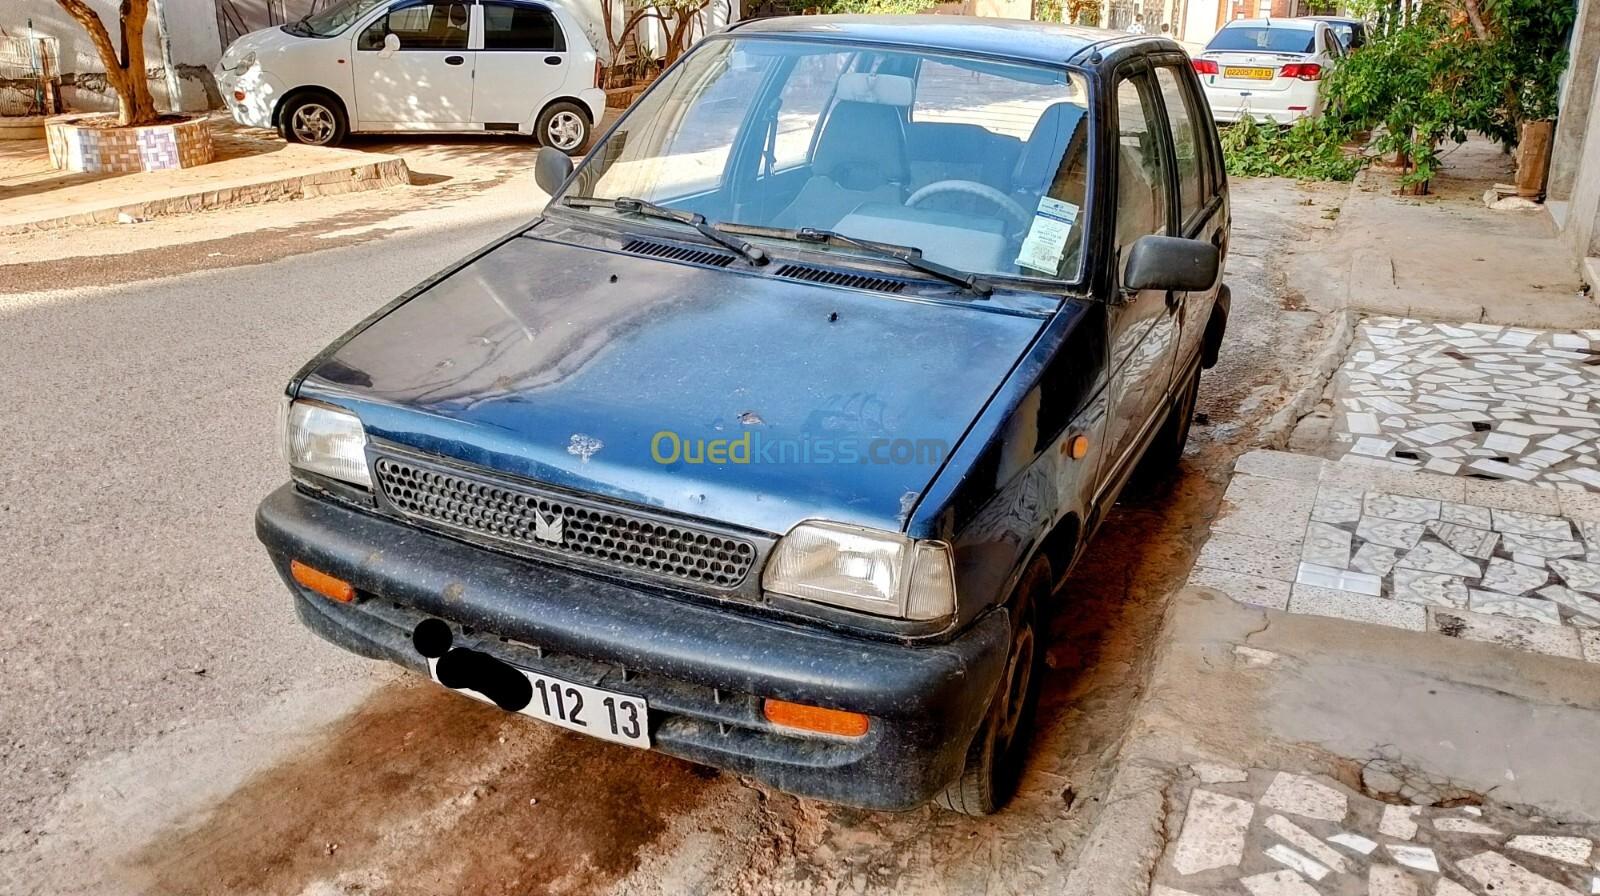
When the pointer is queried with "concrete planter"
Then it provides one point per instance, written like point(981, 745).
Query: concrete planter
point(78, 145)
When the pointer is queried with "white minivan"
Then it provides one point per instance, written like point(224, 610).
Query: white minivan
point(418, 65)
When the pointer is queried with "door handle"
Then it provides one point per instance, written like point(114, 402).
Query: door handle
point(552, 60)
point(454, 60)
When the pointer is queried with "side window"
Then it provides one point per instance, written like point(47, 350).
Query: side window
point(510, 26)
point(1187, 140)
point(1141, 170)
point(424, 26)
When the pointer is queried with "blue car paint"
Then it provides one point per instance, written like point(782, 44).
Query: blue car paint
point(501, 369)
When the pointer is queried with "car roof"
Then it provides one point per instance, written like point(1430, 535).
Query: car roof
point(1044, 42)
point(1300, 24)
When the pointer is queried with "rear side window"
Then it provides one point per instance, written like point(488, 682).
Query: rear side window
point(1187, 140)
point(1264, 38)
point(509, 26)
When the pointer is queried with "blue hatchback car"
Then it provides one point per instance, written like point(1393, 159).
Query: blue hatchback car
point(768, 444)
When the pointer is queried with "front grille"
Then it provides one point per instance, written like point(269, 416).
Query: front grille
point(547, 523)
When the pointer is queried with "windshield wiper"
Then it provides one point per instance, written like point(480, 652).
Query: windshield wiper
point(712, 232)
point(910, 256)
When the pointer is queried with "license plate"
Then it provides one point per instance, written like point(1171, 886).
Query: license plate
point(619, 718)
point(1249, 73)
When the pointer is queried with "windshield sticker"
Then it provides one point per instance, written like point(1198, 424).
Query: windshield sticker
point(1047, 238)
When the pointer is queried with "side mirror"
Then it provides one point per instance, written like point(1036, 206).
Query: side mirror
point(551, 168)
point(391, 45)
point(1171, 263)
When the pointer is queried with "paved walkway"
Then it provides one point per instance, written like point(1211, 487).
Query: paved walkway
point(1505, 563)
point(1275, 833)
point(251, 167)
point(1476, 399)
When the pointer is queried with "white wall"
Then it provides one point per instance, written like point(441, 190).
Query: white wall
point(192, 28)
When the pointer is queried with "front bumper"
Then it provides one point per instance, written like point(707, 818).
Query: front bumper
point(704, 670)
point(260, 95)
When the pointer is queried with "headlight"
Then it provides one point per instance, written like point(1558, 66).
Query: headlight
point(245, 61)
point(321, 439)
point(884, 573)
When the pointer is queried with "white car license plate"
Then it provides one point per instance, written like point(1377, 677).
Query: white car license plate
point(619, 718)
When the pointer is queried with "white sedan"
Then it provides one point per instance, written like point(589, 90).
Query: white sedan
point(1270, 69)
point(418, 65)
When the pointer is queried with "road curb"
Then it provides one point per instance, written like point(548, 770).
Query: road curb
point(1128, 838)
point(1280, 426)
point(380, 172)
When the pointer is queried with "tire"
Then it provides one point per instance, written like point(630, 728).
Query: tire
point(315, 119)
point(564, 126)
point(994, 761)
point(1166, 451)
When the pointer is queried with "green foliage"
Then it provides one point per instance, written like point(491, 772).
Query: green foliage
point(1313, 149)
point(875, 7)
point(1431, 73)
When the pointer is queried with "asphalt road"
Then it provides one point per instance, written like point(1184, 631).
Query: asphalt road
point(139, 434)
point(168, 726)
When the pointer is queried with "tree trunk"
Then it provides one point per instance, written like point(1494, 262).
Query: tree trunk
point(125, 67)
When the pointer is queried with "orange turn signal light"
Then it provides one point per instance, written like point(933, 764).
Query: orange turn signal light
point(1076, 447)
point(238, 96)
point(322, 583)
point(814, 718)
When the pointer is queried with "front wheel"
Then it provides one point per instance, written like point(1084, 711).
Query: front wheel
point(314, 119)
point(563, 126)
point(994, 761)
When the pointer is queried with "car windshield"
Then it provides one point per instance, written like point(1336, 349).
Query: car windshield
point(331, 19)
point(1264, 38)
point(978, 164)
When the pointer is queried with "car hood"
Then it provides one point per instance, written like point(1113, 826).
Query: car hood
point(265, 42)
point(618, 375)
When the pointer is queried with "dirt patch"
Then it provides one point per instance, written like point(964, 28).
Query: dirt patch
point(422, 791)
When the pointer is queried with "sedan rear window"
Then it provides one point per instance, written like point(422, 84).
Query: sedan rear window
point(1264, 38)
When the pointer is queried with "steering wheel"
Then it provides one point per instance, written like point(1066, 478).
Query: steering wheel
point(972, 188)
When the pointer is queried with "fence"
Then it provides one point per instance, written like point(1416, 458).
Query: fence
point(29, 75)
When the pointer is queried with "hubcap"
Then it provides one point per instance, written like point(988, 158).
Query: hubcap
point(312, 123)
point(565, 130)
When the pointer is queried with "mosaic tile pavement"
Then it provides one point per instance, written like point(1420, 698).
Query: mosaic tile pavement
point(1275, 833)
point(1493, 402)
point(1481, 561)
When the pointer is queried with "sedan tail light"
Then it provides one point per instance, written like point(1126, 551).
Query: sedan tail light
point(1205, 66)
point(1305, 71)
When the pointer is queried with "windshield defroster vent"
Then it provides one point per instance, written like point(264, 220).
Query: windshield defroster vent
point(840, 278)
point(677, 253)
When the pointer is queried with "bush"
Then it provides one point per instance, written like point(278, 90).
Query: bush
point(1433, 72)
point(1313, 149)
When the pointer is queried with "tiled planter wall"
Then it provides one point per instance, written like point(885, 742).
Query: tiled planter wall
point(127, 150)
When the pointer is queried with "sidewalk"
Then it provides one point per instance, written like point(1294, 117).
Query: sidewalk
point(251, 167)
point(1446, 255)
point(1383, 676)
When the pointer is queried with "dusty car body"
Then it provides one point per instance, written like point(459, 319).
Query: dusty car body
point(750, 447)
